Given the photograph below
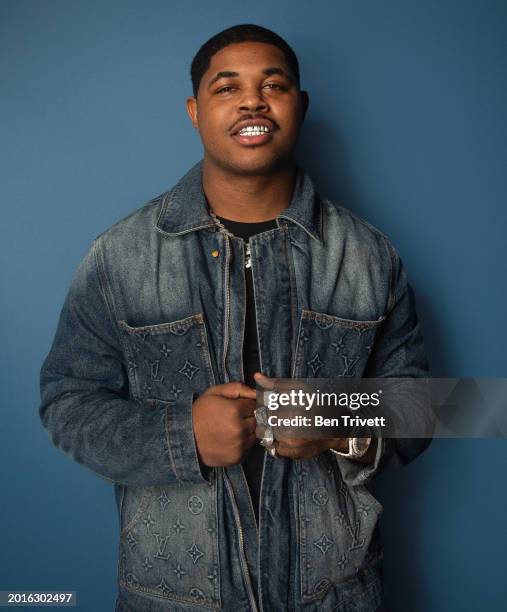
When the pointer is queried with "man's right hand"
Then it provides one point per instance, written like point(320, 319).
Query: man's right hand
point(224, 423)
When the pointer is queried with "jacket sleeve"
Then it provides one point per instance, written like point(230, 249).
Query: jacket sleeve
point(85, 405)
point(398, 352)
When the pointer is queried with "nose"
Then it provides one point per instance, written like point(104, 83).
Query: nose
point(252, 101)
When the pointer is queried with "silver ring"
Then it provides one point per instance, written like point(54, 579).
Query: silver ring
point(268, 438)
point(261, 416)
point(272, 451)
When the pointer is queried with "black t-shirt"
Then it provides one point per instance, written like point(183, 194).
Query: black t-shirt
point(252, 465)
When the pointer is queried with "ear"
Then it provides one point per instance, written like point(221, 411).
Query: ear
point(305, 103)
point(192, 111)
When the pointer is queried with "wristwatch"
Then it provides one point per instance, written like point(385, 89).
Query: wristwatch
point(357, 448)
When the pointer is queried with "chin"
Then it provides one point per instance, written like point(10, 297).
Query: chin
point(255, 167)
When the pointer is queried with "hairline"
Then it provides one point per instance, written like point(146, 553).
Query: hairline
point(274, 39)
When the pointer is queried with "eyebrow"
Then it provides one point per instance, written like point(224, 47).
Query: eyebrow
point(226, 74)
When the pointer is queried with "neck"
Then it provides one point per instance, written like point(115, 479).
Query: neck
point(249, 199)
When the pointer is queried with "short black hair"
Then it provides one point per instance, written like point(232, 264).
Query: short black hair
point(246, 32)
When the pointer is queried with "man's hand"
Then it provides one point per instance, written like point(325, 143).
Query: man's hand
point(224, 423)
point(306, 448)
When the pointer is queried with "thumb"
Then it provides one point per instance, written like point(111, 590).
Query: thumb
point(264, 381)
point(235, 390)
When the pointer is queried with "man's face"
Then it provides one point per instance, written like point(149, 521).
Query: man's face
point(249, 109)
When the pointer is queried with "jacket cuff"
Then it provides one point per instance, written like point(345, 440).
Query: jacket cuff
point(182, 451)
point(355, 473)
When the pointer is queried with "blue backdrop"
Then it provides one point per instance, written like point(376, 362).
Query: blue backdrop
point(407, 127)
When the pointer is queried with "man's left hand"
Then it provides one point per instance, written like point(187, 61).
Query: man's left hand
point(306, 448)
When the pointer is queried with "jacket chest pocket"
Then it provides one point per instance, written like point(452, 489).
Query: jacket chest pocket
point(167, 360)
point(330, 347)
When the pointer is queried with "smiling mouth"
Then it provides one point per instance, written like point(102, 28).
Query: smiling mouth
point(254, 130)
point(253, 135)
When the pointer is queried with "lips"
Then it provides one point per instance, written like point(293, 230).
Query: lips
point(251, 124)
point(253, 131)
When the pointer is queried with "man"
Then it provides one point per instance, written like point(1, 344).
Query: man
point(150, 379)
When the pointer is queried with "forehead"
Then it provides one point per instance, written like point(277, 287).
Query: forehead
point(247, 56)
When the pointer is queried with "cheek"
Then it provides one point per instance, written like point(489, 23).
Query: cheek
point(214, 141)
point(212, 130)
point(291, 133)
point(290, 119)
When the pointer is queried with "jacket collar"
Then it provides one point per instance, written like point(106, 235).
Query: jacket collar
point(184, 208)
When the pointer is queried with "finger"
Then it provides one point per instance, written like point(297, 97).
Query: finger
point(339, 444)
point(244, 408)
point(264, 381)
point(291, 452)
point(295, 442)
point(248, 424)
point(234, 390)
point(299, 448)
point(250, 440)
point(259, 431)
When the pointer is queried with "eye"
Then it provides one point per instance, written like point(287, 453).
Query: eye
point(275, 86)
point(225, 89)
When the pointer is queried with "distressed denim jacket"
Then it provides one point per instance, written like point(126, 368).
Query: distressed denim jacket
point(155, 315)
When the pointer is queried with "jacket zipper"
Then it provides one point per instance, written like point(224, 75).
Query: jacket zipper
point(241, 537)
point(259, 538)
point(243, 266)
point(227, 304)
point(242, 556)
point(256, 316)
point(265, 458)
point(244, 309)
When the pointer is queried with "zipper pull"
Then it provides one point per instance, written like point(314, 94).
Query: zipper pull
point(248, 256)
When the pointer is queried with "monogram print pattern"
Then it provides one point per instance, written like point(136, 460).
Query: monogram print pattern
point(169, 542)
point(330, 347)
point(170, 550)
point(336, 525)
point(166, 360)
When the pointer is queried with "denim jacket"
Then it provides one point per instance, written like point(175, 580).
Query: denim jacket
point(156, 314)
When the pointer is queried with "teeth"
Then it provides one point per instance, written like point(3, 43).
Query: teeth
point(254, 130)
